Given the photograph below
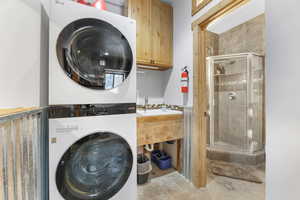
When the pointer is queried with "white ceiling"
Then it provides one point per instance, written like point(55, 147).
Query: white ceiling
point(238, 16)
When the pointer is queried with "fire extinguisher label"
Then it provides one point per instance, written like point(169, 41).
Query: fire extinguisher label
point(184, 89)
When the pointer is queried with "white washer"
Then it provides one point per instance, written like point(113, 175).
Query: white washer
point(92, 55)
point(93, 157)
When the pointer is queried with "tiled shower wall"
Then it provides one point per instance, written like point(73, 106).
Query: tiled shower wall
point(212, 43)
point(230, 116)
point(247, 37)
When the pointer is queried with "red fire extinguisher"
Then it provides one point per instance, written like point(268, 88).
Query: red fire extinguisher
point(185, 80)
point(99, 4)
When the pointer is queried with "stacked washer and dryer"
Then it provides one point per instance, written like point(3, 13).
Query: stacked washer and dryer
point(92, 97)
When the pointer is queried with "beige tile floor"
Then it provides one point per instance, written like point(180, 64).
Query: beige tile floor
point(174, 187)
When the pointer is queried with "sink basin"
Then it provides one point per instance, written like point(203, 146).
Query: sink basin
point(156, 112)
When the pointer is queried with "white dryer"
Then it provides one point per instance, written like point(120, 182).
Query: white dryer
point(92, 152)
point(92, 55)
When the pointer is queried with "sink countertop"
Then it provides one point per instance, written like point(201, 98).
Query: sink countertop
point(157, 112)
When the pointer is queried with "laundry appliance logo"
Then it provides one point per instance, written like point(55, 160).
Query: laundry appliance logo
point(67, 129)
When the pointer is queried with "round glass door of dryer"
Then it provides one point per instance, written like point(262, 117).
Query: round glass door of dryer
point(94, 54)
point(94, 168)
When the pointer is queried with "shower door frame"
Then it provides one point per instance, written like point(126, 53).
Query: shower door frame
point(211, 91)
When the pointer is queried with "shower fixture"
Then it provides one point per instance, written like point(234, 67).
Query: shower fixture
point(235, 84)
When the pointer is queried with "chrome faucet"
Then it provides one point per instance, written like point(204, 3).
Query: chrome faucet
point(146, 103)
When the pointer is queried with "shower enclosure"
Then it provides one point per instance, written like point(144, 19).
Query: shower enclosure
point(236, 103)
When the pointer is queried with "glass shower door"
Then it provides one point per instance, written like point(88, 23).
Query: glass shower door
point(228, 86)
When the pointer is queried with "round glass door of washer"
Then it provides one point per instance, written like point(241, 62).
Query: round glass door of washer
point(94, 168)
point(94, 54)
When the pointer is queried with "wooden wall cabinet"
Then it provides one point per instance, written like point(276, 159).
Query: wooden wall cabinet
point(154, 32)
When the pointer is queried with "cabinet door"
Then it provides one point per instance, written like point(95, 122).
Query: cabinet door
point(166, 27)
point(156, 32)
point(140, 11)
point(162, 33)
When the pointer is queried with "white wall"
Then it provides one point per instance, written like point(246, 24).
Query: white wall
point(283, 110)
point(153, 84)
point(20, 57)
point(183, 53)
point(44, 55)
point(183, 50)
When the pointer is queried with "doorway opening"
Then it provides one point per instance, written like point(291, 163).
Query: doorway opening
point(229, 96)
